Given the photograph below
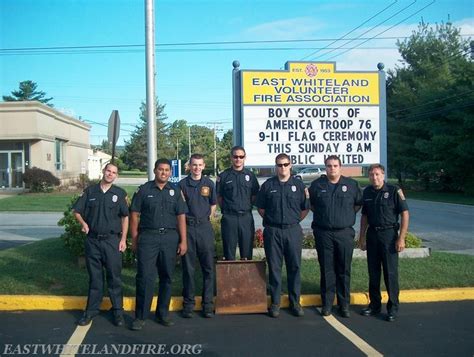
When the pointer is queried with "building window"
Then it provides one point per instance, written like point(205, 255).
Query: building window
point(59, 150)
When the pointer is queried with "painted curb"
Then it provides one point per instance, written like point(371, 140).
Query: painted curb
point(61, 303)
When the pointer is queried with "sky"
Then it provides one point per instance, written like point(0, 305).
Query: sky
point(52, 43)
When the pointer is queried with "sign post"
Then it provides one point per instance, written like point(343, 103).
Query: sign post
point(175, 171)
point(113, 131)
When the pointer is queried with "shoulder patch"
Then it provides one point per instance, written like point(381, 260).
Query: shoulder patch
point(401, 195)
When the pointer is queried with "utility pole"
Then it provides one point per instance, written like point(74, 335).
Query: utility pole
point(215, 151)
point(150, 85)
point(177, 148)
point(189, 141)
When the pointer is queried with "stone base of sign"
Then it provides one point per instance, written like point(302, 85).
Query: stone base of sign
point(259, 253)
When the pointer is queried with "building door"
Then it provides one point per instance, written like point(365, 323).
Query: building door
point(4, 170)
point(11, 169)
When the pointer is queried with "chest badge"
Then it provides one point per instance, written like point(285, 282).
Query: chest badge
point(293, 188)
point(344, 188)
point(385, 195)
point(247, 178)
point(114, 198)
point(205, 191)
point(171, 192)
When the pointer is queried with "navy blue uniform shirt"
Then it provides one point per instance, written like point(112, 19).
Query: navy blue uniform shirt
point(101, 211)
point(236, 189)
point(158, 208)
point(282, 201)
point(383, 206)
point(334, 210)
point(200, 196)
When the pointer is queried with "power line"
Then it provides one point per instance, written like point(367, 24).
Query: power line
point(175, 44)
point(140, 46)
point(355, 28)
point(22, 53)
point(391, 27)
point(373, 27)
point(430, 102)
point(437, 111)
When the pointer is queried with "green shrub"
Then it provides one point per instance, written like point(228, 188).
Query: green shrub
point(216, 226)
point(73, 236)
point(412, 241)
point(308, 240)
point(39, 180)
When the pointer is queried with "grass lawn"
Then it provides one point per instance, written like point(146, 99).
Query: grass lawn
point(447, 197)
point(41, 202)
point(47, 268)
point(133, 174)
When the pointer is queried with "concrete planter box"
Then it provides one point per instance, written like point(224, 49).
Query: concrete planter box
point(259, 253)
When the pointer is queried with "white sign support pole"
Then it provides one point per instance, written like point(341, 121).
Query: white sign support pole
point(150, 86)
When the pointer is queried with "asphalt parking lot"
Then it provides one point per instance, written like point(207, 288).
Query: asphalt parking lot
point(422, 329)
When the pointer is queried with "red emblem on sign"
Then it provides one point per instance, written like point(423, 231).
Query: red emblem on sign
point(311, 70)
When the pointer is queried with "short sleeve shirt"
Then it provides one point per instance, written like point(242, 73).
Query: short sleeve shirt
point(236, 189)
point(382, 207)
point(334, 210)
point(200, 195)
point(158, 208)
point(283, 202)
point(102, 211)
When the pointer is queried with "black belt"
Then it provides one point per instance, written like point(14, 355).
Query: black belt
point(98, 236)
point(237, 213)
point(329, 229)
point(159, 230)
point(383, 228)
point(193, 221)
point(281, 226)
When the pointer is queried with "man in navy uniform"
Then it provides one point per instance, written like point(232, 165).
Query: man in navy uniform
point(335, 200)
point(158, 229)
point(283, 201)
point(383, 204)
point(237, 190)
point(200, 194)
point(102, 211)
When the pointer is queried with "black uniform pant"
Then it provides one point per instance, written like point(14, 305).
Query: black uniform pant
point(282, 243)
point(335, 248)
point(100, 254)
point(200, 247)
point(381, 253)
point(156, 253)
point(238, 229)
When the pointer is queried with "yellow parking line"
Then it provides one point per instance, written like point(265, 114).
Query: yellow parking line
point(367, 349)
point(75, 341)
